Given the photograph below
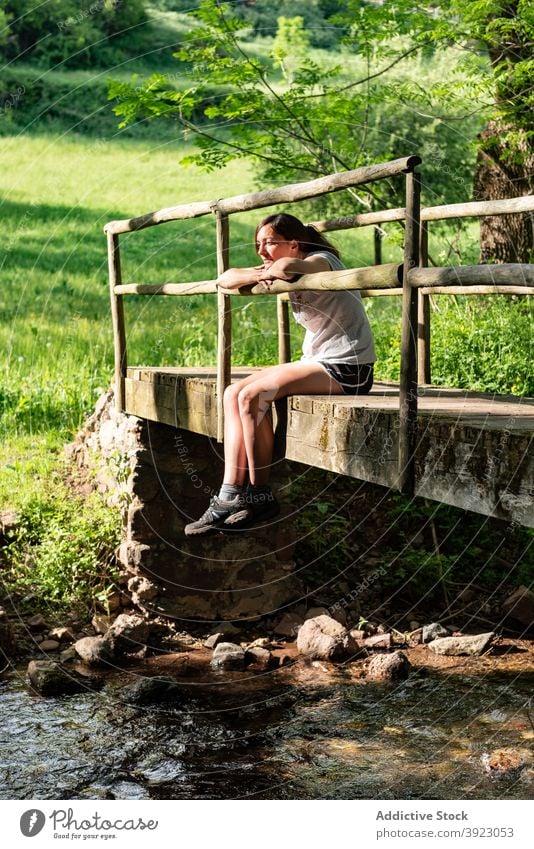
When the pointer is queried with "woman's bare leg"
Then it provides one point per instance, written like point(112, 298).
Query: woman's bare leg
point(254, 397)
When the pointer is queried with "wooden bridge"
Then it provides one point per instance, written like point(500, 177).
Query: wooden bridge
point(468, 449)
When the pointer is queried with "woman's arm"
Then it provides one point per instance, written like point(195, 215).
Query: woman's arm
point(287, 267)
point(235, 278)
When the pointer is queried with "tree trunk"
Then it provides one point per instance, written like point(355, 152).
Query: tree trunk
point(504, 238)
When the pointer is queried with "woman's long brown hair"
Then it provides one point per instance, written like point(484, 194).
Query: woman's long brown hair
point(292, 228)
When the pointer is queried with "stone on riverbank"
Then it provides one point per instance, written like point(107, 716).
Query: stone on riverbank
point(389, 667)
point(213, 640)
point(49, 645)
point(228, 656)
point(148, 690)
point(323, 638)
point(288, 625)
point(128, 633)
point(142, 590)
point(470, 645)
point(95, 651)
point(259, 656)
point(51, 679)
point(434, 631)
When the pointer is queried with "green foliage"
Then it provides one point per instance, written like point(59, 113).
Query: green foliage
point(386, 99)
point(262, 18)
point(63, 548)
point(413, 77)
point(62, 32)
point(290, 45)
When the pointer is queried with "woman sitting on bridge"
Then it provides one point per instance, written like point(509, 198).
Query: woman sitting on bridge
point(338, 357)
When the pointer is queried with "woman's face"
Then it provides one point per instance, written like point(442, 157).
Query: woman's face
point(270, 246)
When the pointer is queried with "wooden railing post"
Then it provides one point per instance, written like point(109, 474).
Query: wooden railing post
point(423, 320)
point(408, 364)
point(224, 322)
point(284, 332)
point(117, 315)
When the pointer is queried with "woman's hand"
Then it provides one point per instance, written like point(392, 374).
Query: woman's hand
point(235, 278)
point(280, 269)
point(287, 268)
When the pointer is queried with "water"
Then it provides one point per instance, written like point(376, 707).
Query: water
point(304, 733)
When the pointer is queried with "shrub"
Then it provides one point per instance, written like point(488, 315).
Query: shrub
point(63, 548)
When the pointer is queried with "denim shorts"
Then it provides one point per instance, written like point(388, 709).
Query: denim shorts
point(356, 379)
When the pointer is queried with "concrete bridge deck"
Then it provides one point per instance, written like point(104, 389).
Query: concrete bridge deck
point(473, 450)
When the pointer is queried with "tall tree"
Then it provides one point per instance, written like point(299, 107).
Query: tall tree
point(392, 103)
point(505, 163)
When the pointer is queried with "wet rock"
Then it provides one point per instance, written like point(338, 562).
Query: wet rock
point(288, 625)
point(95, 651)
point(213, 640)
point(7, 636)
point(49, 645)
point(470, 645)
point(37, 622)
point(142, 590)
point(51, 679)
point(149, 690)
point(520, 606)
point(261, 643)
point(378, 641)
point(228, 656)
point(258, 656)
point(323, 638)
point(129, 632)
point(389, 667)
point(67, 654)
point(434, 631)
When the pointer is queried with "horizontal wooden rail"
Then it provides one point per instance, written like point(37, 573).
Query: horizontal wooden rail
point(475, 209)
point(268, 197)
point(379, 276)
point(474, 290)
point(512, 274)
point(478, 209)
point(202, 287)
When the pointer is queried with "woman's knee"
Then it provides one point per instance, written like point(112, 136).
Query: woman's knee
point(246, 398)
point(230, 396)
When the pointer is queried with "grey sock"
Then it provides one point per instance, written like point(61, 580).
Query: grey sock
point(229, 491)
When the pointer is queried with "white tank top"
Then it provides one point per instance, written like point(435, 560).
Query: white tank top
point(337, 327)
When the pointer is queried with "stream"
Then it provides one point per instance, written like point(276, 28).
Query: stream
point(306, 733)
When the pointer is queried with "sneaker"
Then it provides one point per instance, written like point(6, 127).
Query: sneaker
point(258, 507)
point(217, 514)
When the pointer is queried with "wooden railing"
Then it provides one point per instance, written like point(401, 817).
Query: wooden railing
point(411, 279)
point(448, 280)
